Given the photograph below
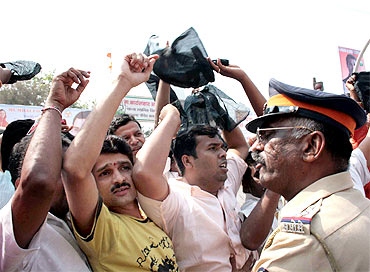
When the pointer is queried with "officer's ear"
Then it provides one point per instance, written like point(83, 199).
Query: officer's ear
point(313, 146)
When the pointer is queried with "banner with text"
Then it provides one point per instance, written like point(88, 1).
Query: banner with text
point(10, 113)
point(142, 108)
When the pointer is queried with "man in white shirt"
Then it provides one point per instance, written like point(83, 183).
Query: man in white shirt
point(33, 234)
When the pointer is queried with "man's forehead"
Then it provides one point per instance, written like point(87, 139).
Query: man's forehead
point(130, 127)
point(112, 159)
point(207, 140)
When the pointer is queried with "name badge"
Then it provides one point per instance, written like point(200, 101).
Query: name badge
point(300, 225)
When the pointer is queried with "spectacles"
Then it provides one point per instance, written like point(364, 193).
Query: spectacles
point(262, 137)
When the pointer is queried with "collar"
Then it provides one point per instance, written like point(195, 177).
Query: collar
point(189, 189)
point(320, 189)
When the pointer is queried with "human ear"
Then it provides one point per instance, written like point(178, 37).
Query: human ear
point(313, 145)
point(187, 161)
point(17, 183)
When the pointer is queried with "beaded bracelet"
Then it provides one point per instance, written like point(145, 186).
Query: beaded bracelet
point(52, 108)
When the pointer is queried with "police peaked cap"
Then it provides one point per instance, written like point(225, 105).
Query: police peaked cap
point(337, 110)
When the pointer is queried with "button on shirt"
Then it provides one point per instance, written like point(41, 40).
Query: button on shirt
point(204, 228)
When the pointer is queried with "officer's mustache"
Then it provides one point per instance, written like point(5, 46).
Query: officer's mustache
point(117, 186)
point(253, 158)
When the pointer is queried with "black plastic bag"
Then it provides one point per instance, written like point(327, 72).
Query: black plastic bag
point(21, 70)
point(184, 64)
point(208, 107)
point(362, 88)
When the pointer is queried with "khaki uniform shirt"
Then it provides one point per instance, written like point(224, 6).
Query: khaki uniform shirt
point(330, 210)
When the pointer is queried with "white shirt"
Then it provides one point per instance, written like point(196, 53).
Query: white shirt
point(6, 188)
point(358, 169)
point(53, 248)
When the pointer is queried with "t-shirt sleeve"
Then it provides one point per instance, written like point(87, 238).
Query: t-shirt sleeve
point(163, 213)
point(358, 169)
point(12, 255)
point(96, 242)
point(236, 167)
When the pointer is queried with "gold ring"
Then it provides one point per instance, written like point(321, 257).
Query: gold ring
point(219, 70)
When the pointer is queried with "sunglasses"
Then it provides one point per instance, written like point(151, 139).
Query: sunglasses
point(261, 132)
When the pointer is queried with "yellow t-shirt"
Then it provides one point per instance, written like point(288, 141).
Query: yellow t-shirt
point(120, 242)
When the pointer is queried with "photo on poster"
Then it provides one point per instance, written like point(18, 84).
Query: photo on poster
point(348, 59)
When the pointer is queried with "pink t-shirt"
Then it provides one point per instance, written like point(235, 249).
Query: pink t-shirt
point(203, 238)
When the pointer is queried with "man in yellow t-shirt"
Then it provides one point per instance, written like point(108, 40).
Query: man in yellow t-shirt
point(110, 227)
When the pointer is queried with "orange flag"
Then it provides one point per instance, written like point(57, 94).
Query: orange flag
point(109, 55)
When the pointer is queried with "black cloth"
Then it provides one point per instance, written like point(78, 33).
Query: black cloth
point(184, 64)
point(21, 70)
point(207, 107)
point(362, 88)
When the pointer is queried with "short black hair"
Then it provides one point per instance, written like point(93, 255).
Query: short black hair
point(185, 142)
point(18, 153)
point(12, 134)
point(119, 121)
point(114, 144)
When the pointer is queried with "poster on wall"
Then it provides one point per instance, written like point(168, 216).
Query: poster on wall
point(348, 58)
point(10, 113)
point(142, 108)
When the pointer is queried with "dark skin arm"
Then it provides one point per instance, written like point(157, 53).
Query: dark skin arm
point(43, 160)
point(254, 95)
point(262, 216)
point(236, 142)
point(162, 99)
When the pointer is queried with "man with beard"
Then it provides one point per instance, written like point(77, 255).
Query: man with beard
point(302, 152)
point(109, 225)
point(34, 233)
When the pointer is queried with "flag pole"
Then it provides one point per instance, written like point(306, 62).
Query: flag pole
point(360, 56)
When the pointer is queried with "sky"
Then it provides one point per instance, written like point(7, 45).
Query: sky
point(292, 41)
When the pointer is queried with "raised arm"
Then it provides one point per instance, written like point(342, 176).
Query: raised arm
point(236, 142)
point(162, 99)
point(81, 189)
point(43, 160)
point(151, 159)
point(254, 95)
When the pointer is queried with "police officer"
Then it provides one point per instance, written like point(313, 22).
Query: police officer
point(302, 152)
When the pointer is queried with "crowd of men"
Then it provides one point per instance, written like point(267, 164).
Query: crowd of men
point(107, 199)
